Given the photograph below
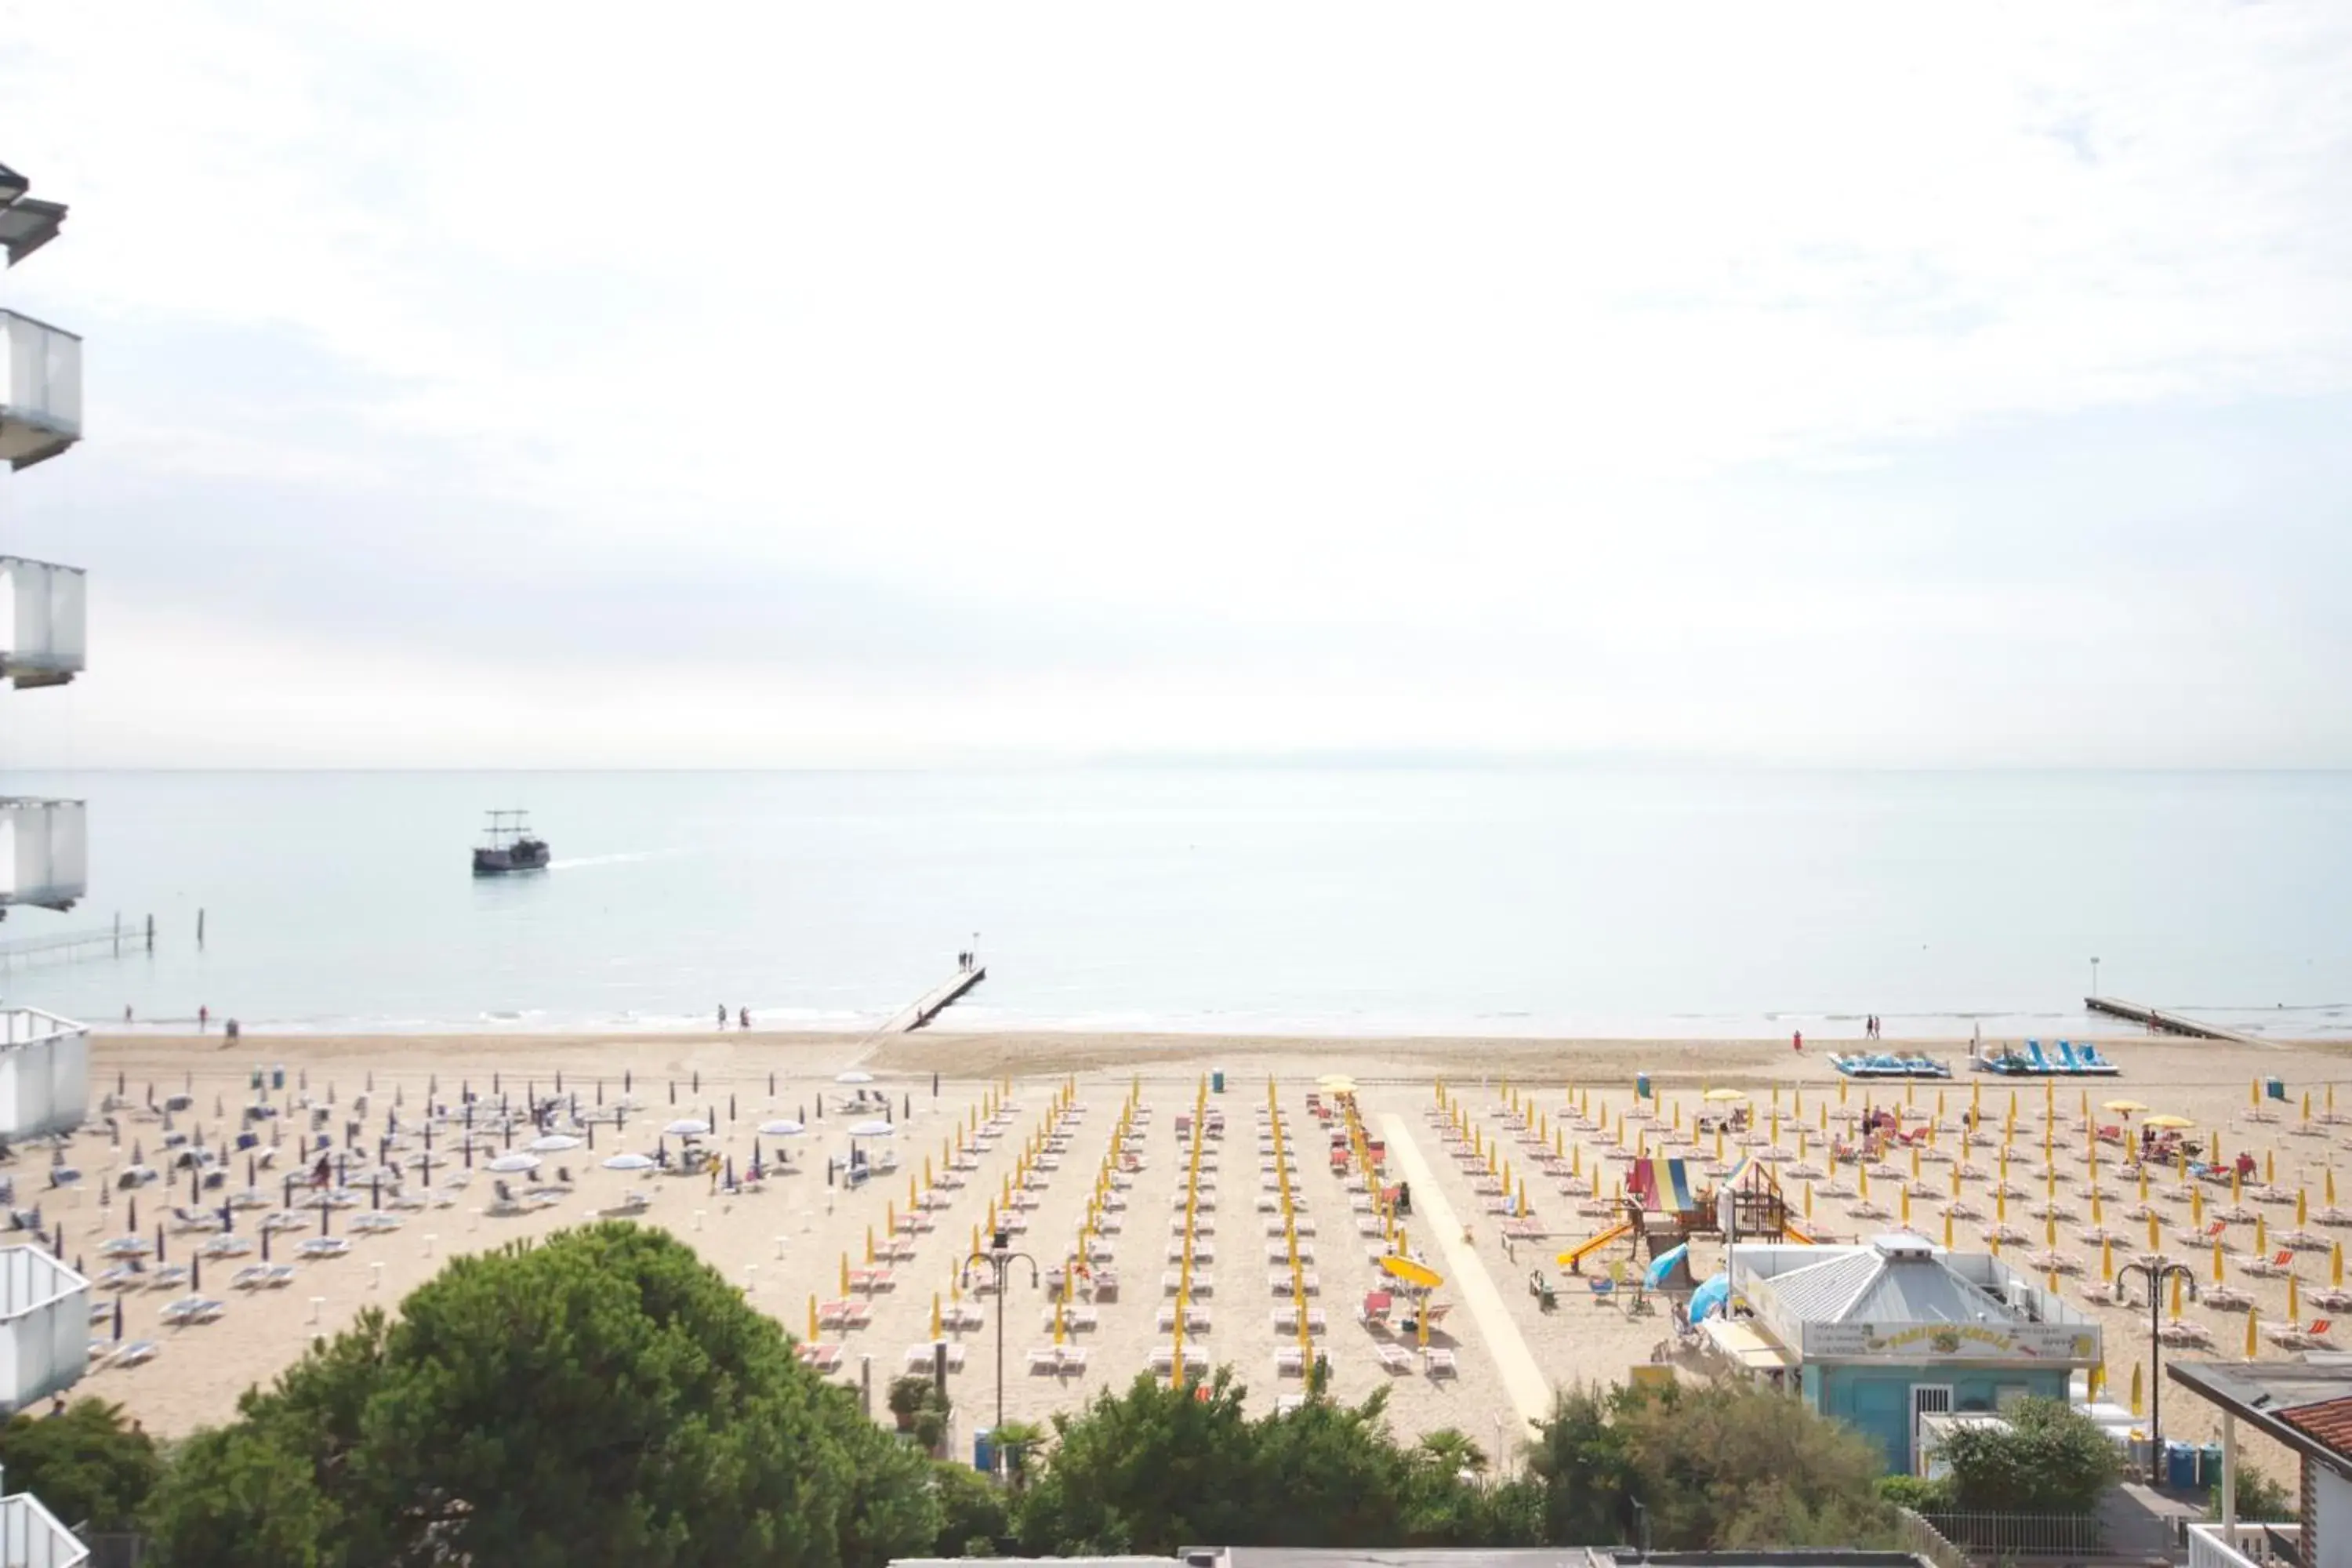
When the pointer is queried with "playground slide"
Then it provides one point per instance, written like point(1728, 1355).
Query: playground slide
point(1789, 1232)
point(1583, 1250)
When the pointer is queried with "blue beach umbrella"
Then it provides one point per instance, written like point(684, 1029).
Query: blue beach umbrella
point(1664, 1264)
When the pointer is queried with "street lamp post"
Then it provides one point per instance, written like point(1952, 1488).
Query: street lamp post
point(999, 1259)
point(2095, 978)
point(2155, 1271)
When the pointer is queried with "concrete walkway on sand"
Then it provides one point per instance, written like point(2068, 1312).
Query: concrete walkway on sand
point(1524, 1380)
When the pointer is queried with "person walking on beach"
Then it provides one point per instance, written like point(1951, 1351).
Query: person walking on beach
point(742, 1017)
point(722, 1014)
point(203, 1017)
point(1797, 1042)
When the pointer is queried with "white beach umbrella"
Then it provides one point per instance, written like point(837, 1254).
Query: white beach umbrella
point(854, 1076)
point(783, 1126)
point(553, 1143)
point(630, 1162)
point(873, 1130)
point(513, 1165)
point(687, 1127)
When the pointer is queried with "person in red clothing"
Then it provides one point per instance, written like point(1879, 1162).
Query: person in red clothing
point(1797, 1042)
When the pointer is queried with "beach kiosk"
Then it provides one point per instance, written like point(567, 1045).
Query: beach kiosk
point(1885, 1334)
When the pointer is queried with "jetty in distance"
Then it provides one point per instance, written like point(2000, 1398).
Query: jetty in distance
point(2169, 1023)
point(935, 1001)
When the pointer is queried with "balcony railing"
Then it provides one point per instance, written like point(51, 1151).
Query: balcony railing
point(31, 1535)
point(44, 852)
point(44, 1089)
point(43, 621)
point(40, 389)
point(2245, 1546)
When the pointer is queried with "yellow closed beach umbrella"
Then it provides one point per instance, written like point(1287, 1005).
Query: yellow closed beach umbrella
point(2270, 1167)
point(935, 1314)
point(2175, 1307)
point(812, 1333)
point(1948, 1231)
point(2336, 1265)
point(2253, 1339)
point(845, 1273)
point(2136, 1392)
point(2107, 1258)
point(2293, 1300)
point(1414, 1272)
point(2154, 1236)
point(2302, 1207)
point(2219, 1277)
point(2261, 1237)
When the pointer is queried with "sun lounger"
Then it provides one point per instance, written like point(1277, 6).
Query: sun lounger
point(823, 1355)
point(919, 1357)
point(137, 1353)
point(1441, 1363)
point(1289, 1362)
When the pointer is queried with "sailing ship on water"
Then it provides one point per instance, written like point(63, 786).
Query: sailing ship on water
point(509, 844)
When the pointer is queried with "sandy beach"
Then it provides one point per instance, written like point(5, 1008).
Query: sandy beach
point(1047, 1109)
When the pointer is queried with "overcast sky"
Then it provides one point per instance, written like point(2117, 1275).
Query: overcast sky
point(746, 386)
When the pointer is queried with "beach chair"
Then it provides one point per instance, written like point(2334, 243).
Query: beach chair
point(1289, 1362)
point(1441, 1363)
point(1375, 1314)
point(137, 1353)
point(2280, 1263)
point(824, 1356)
point(1393, 1358)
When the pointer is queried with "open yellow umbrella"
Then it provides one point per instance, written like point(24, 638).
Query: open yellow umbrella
point(1413, 1272)
point(1336, 1082)
point(1724, 1094)
point(2124, 1107)
point(2168, 1122)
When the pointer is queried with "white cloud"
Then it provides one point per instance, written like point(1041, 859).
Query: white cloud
point(1543, 345)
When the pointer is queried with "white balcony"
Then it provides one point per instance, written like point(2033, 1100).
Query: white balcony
point(31, 1537)
point(43, 621)
point(44, 1327)
point(44, 852)
point(40, 389)
point(2242, 1546)
point(44, 1073)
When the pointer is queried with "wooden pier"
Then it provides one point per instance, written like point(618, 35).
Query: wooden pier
point(2169, 1023)
point(105, 943)
point(934, 1002)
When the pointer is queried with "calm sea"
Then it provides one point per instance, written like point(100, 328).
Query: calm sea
point(1521, 901)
